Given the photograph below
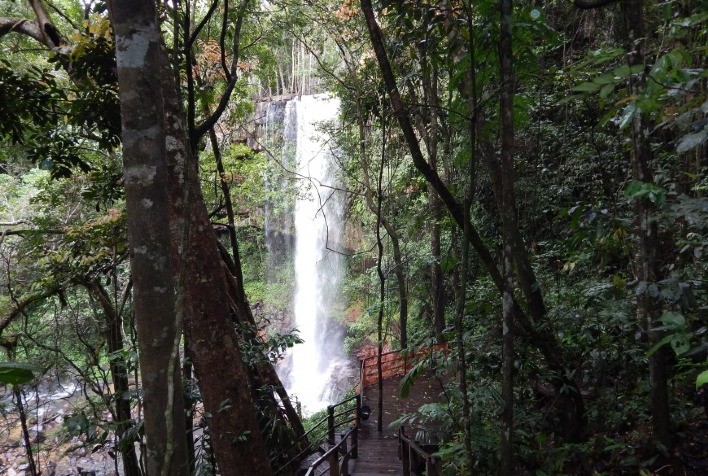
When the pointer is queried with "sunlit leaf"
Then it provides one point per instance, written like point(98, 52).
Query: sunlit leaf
point(702, 379)
point(627, 115)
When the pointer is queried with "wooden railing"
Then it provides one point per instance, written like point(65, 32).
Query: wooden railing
point(418, 459)
point(339, 453)
point(393, 364)
point(324, 432)
point(323, 435)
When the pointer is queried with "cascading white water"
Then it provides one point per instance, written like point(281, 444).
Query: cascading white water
point(318, 270)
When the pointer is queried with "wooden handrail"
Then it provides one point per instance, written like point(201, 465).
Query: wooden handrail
point(339, 466)
point(416, 459)
point(394, 364)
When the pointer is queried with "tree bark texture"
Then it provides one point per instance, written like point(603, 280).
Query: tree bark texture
point(145, 176)
point(211, 335)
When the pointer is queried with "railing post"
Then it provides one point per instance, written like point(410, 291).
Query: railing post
point(355, 433)
point(344, 465)
point(333, 464)
point(433, 466)
point(405, 452)
point(330, 425)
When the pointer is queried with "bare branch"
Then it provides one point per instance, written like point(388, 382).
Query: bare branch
point(224, 101)
point(20, 307)
point(22, 26)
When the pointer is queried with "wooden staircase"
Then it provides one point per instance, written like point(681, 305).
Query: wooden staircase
point(344, 443)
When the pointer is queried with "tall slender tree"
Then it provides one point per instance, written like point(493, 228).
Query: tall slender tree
point(138, 50)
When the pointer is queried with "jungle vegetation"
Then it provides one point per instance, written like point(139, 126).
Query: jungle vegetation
point(526, 181)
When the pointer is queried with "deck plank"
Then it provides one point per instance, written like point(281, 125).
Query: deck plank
point(378, 452)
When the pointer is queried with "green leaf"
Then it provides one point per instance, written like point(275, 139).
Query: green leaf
point(673, 320)
point(604, 79)
point(702, 379)
point(691, 141)
point(15, 373)
point(625, 70)
point(606, 90)
point(692, 20)
point(649, 191)
point(410, 378)
point(681, 344)
point(586, 87)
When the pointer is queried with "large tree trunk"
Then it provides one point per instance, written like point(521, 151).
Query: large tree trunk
point(212, 338)
point(262, 373)
point(137, 52)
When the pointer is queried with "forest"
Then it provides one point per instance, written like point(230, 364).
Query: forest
point(522, 184)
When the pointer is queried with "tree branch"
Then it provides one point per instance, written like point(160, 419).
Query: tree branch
point(22, 26)
point(210, 121)
point(20, 307)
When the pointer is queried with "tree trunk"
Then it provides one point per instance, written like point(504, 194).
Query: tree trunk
point(400, 273)
point(262, 371)
point(399, 270)
point(32, 469)
point(649, 309)
point(437, 288)
point(235, 434)
point(428, 125)
point(145, 176)
point(119, 374)
point(542, 337)
point(382, 283)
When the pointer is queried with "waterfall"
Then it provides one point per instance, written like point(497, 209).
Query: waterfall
point(314, 371)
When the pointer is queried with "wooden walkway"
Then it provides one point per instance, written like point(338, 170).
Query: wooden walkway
point(378, 452)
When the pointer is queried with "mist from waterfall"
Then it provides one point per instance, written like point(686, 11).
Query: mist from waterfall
point(312, 369)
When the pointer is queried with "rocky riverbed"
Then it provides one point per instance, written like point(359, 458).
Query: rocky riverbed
point(55, 452)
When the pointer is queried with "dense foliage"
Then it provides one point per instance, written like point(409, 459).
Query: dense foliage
point(571, 181)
